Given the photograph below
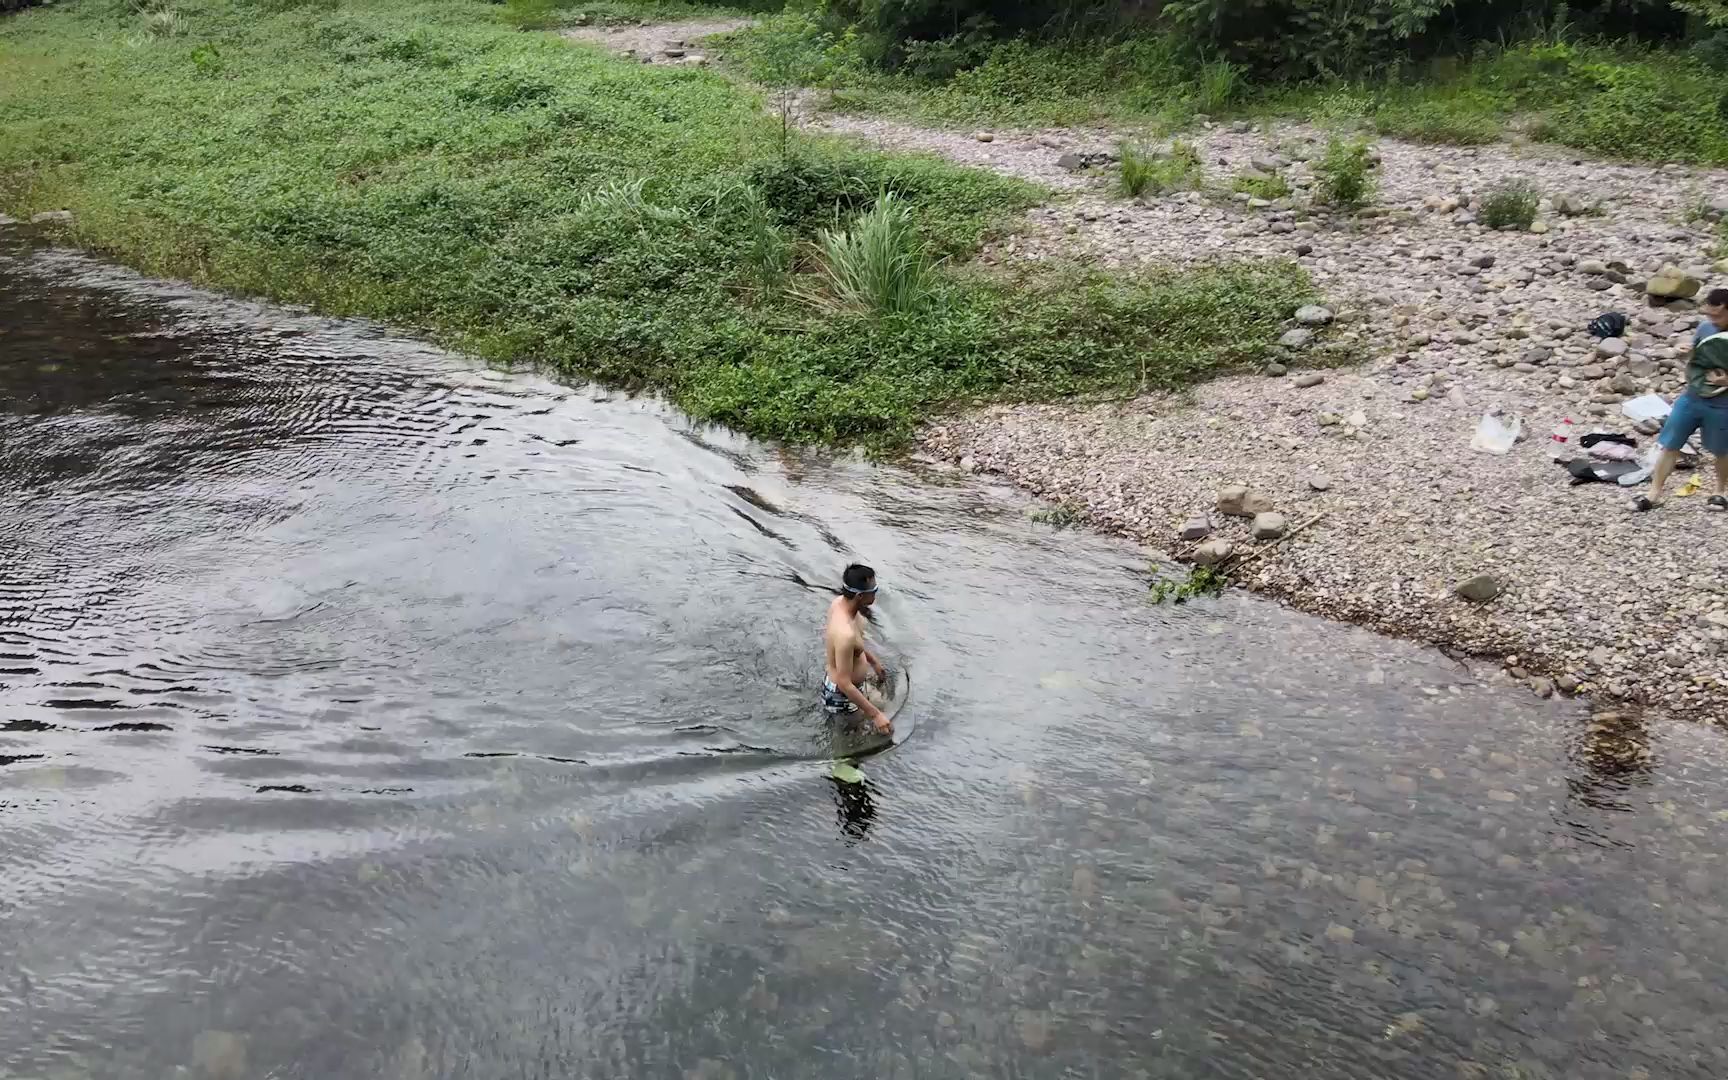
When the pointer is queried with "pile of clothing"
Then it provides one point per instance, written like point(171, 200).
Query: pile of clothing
point(1613, 458)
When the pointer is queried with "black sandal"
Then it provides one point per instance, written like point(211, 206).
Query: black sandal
point(1643, 505)
point(1716, 502)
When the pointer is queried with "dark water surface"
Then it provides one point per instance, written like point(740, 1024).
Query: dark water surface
point(366, 714)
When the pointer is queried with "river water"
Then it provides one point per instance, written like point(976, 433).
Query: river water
point(365, 713)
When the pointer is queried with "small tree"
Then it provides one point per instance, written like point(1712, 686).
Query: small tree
point(789, 52)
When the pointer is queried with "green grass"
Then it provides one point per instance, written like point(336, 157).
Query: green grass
point(1615, 99)
point(1026, 84)
point(423, 162)
point(1266, 187)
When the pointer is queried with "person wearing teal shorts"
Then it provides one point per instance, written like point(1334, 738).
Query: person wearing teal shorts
point(1703, 408)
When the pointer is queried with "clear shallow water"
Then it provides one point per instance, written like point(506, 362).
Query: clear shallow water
point(365, 714)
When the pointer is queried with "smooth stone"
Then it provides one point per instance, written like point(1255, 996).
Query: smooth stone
point(1479, 589)
point(1212, 552)
point(1269, 525)
point(1198, 528)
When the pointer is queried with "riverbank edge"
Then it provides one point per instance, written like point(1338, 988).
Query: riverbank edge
point(1459, 630)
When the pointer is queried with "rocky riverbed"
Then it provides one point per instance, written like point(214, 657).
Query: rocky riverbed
point(1449, 320)
point(1439, 320)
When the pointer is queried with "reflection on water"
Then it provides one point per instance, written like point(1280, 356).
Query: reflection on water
point(365, 714)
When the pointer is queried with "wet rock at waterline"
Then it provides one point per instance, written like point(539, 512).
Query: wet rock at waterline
point(1213, 552)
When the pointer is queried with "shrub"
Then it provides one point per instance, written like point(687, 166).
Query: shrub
point(878, 266)
point(1346, 174)
point(1510, 204)
point(805, 192)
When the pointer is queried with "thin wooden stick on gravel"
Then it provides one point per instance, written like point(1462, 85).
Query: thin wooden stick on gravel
point(1267, 549)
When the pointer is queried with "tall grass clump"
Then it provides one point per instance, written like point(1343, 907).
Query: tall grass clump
point(1135, 169)
point(1345, 174)
point(1218, 84)
point(1510, 204)
point(876, 267)
point(1142, 171)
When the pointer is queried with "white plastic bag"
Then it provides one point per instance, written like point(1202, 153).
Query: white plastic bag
point(1645, 407)
point(1496, 436)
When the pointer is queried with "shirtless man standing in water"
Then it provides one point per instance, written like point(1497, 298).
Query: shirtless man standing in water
point(850, 664)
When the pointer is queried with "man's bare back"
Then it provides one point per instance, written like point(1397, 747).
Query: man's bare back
point(852, 669)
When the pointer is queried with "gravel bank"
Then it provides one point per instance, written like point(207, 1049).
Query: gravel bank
point(1447, 320)
point(1453, 320)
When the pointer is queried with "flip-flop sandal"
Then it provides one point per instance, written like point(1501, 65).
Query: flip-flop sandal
point(1643, 505)
point(1716, 502)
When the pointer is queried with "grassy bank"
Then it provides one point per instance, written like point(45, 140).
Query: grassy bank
point(424, 162)
point(1616, 100)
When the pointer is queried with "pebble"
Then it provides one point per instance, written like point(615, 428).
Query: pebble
point(1308, 378)
point(1299, 338)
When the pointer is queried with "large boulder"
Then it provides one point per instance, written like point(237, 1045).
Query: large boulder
point(1672, 283)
